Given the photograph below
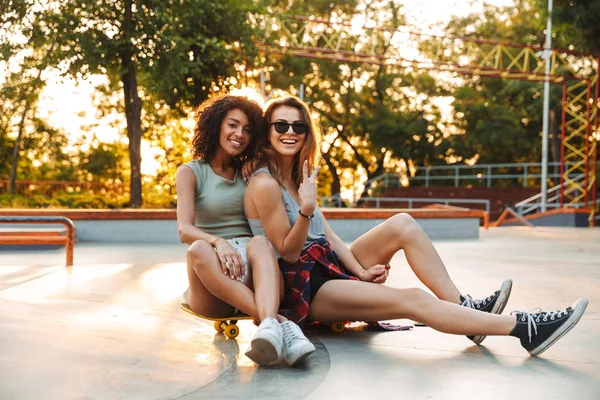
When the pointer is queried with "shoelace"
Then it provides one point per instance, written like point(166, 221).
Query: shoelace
point(473, 303)
point(534, 316)
point(269, 324)
point(289, 333)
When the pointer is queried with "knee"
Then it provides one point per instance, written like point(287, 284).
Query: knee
point(415, 298)
point(259, 245)
point(403, 225)
point(198, 252)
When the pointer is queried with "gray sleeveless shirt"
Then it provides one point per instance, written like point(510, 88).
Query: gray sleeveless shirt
point(317, 223)
point(219, 202)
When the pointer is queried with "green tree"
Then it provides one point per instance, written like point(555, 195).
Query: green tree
point(499, 120)
point(369, 113)
point(21, 87)
point(173, 50)
point(30, 147)
point(19, 95)
point(576, 23)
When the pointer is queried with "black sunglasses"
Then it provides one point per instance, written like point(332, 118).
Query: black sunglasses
point(299, 128)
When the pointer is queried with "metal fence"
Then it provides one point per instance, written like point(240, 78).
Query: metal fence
point(49, 188)
point(518, 174)
point(337, 201)
point(410, 201)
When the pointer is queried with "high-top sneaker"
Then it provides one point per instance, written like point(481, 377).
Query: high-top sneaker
point(493, 304)
point(540, 330)
point(267, 343)
point(297, 346)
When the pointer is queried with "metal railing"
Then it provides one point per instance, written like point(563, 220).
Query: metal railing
point(337, 201)
point(534, 203)
point(332, 201)
point(411, 201)
point(50, 187)
point(525, 174)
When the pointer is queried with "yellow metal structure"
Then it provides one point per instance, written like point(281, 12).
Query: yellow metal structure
point(342, 41)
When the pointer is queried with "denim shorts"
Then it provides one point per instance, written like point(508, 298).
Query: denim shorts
point(239, 244)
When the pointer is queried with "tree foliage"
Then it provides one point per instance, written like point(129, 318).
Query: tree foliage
point(500, 120)
point(375, 117)
point(162, 58)
point(171, 51)
point(576, 23)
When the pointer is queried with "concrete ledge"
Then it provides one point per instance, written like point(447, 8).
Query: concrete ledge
point(436, 228)
point(566, 217)
point(160, 226)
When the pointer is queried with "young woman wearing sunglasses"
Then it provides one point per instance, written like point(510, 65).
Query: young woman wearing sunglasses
point(327, 281)
point(227, 267)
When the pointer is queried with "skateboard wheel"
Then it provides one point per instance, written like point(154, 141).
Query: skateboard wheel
point(231, 331)
point(338, 327)
point(218, 327)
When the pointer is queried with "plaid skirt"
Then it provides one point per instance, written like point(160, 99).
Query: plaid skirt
point(296, 278)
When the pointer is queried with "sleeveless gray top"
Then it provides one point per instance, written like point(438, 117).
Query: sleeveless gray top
point(219, 202)
point(317, 223)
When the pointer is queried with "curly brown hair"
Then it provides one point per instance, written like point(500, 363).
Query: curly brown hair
point(208, 126)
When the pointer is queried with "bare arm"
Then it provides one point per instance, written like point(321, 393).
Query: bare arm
point(231, 261)
point(263, 201)
point(186, 209)
point(376, 273)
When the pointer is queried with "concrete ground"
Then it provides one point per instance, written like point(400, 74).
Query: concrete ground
point(111, 328)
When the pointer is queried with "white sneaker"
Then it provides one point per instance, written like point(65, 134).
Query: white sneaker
point(267, 343)
point(297, 346)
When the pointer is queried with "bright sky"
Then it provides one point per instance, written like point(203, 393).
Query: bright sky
point(69, 105)
point(429, 12)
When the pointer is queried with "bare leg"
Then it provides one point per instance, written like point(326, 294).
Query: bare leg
point(272, 339)
point(268, 290)
point(213, 293)
point(401, 232)
point(340, 300)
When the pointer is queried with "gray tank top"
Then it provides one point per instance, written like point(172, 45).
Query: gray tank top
point(317, 223)
point(219, 202)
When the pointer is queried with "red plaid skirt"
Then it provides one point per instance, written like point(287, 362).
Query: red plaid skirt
point(296, 278)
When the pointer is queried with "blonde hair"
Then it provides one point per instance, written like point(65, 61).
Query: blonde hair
point(311, 150)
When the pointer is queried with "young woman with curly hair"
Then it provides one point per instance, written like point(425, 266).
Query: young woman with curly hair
point(327, 281)
point(228, 268)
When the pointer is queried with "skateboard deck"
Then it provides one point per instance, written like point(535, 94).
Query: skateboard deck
point(226, 325)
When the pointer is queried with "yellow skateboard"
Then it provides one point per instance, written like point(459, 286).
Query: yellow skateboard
point(338, 327)
point(224, 325)
point(228, 325)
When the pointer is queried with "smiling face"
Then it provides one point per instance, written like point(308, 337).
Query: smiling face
point(283, 148)
point(235, 133)
point(287, 144)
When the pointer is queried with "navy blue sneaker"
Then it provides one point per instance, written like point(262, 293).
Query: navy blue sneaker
point(493, 304)
point(540, 330)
